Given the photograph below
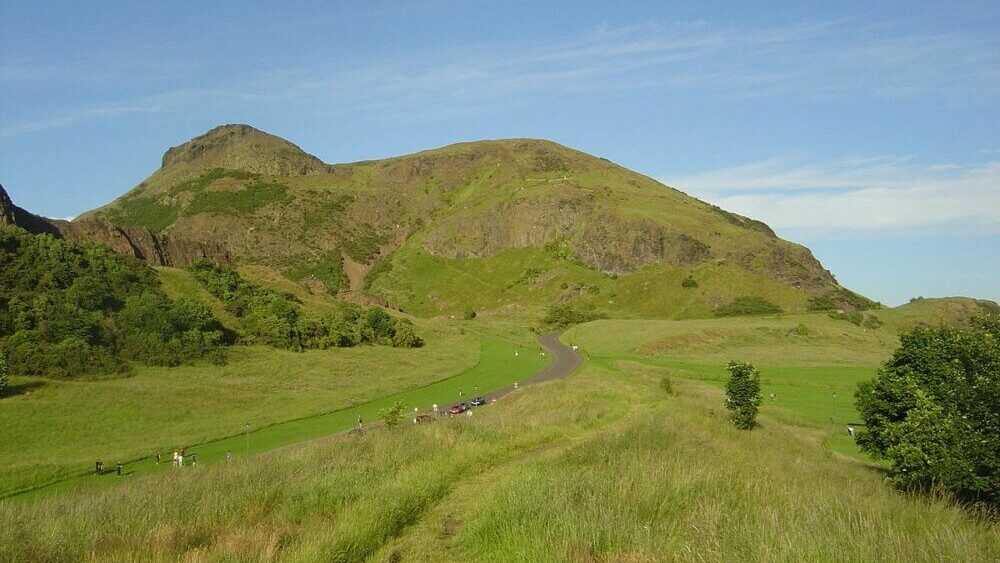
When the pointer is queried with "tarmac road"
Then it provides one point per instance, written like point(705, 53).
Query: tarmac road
point(565, 361)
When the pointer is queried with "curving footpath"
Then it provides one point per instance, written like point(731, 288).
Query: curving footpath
point(565, 360)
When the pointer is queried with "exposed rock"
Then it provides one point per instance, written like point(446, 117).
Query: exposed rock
point(242, 147)
point(155, 249)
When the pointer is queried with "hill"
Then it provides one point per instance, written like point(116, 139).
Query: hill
point(507, 226)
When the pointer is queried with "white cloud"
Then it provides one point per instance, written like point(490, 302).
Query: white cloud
point(872, 194)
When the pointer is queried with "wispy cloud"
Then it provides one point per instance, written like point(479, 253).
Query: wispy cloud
point(869, 194)
point(812, 60)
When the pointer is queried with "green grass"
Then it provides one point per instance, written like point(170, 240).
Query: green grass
point(248, 199)
point(600, 467)
point(53, 429)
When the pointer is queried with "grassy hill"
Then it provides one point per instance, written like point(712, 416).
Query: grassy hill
point(508, 226)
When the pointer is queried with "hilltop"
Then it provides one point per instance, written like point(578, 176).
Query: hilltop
point(505, 225)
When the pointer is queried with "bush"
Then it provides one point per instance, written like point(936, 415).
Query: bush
point(748, 306)
point(841, 299)
point(393, 415)
point(743, 394)
point(800, 330)
point(667, 385)
point(872, 322)
point(689, 283)
point(405, 336)
point(567, 314)
point(931, 411)
point(3, 373)
point(469, 315)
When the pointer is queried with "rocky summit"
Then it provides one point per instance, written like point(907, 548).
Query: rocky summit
point(489, 225)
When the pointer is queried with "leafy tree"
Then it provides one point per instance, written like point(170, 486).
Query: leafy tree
point(405, 336)
point(932, 410)
point(71, 309)
point(743, 394)
point(566, 314)
point(393, 416)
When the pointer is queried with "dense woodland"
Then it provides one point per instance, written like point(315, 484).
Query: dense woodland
point(69, 309)
point(79, 309)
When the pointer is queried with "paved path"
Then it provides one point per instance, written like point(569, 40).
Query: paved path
point(565, 361)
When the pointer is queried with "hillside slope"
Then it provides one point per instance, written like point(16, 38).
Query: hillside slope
point(479, 225)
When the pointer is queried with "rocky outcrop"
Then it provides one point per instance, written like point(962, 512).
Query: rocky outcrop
point(6, 208)
point(618, 246)
point(242, 147)
point(155, 249)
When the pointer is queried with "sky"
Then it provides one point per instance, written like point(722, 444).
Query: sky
point(868, 131)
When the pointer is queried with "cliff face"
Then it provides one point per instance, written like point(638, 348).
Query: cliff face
point(157, 250)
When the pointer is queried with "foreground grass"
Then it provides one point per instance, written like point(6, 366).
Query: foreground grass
point(50, 430)
point(600, 467)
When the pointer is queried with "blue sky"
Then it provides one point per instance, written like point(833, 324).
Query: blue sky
point(867, 132)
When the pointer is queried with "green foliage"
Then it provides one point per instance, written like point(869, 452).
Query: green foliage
point(743, 394)
point(841, 299)
point(328, 269)
point(3, 373)
point(248, 199)
point(393, 416)
point(69, 309)
point(382, 267)
point(742, 306)
point(566, 314)
point(800, 330)
point(872, 322)
point(689, 283)
point(931, 411)
point(666, 385)
point(141, 211)
point(469, 314)
point(364, 246)
point(273, 318)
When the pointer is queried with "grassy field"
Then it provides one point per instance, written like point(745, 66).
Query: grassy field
point(603, 466)
point(50, 430)
point(810, 364)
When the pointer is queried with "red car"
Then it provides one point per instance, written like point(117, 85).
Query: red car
point(458, 409)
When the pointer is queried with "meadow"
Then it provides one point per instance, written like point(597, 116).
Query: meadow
point(54, 430)
point(602, 466)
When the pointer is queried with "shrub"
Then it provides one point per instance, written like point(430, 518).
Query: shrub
point(3, 373)
point(469, 314)
point(689, 283)
point(393, 415)
point(748, 306)
point(667, 385)
point(931, 411)
point(841, 299)
point(405, 336)
point(567, 314)
point(872, 322)
point(800, 330)
point(743, 394)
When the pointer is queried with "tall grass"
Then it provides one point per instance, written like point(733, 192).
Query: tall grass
point(601, 467)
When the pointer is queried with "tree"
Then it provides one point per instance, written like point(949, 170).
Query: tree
point(393, 415)
point(932, 411)
point(743, 394)
point(3, 373)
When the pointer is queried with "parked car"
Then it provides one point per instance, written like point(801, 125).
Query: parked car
point(458, 409)
point(478, 401)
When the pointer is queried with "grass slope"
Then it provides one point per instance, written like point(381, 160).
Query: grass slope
point(600, 467)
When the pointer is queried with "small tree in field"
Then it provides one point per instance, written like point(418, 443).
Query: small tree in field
point(3, 373)
point(393, 416)
point(743, 394)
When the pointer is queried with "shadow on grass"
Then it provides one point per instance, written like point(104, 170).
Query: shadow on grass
point(21, 388)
